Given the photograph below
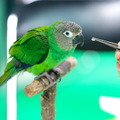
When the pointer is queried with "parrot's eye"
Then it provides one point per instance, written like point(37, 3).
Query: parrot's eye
point(68, 34)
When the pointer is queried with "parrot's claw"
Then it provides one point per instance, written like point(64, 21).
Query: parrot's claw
point(57, 72)
point(45, 74)
point(49, 77)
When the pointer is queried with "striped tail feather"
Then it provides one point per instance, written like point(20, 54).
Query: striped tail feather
point(7, 75)
point(11, 69)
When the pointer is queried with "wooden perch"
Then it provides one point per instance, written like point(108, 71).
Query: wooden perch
point(49, 88)
point(48, 103)
point(43, 83)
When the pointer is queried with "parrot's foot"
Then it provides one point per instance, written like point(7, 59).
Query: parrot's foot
point(45, 74)
point(57, 72)
point(49, 76)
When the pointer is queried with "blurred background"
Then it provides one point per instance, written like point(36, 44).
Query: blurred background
point(79, 93)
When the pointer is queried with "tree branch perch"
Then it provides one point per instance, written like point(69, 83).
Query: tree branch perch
point(43, 84)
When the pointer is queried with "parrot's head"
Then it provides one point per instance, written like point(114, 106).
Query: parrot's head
point(67, 35)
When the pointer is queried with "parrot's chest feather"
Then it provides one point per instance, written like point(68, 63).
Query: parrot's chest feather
point(59, 55)
point(54, 58)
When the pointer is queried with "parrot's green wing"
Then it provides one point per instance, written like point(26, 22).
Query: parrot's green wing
point(29, 50)
point(32, 48)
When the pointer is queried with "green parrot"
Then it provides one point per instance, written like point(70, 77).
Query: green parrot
point(43, 48)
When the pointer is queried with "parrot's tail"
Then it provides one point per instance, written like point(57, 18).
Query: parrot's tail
point(6, 76)
point(10, 71)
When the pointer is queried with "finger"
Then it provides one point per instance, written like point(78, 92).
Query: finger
point(118, 68)
point(117, 55)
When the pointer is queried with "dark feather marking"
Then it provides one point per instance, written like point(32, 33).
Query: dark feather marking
point(19, 64)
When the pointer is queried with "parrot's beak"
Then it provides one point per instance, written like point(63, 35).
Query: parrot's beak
point(79, 39)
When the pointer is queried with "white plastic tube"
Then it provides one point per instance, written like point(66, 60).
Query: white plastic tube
point(11, 84)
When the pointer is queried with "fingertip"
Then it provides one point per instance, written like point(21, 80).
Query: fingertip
point(117, 54)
